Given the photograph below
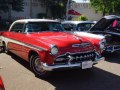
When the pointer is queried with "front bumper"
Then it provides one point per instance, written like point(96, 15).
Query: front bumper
point(112, 48)
point(78, 65)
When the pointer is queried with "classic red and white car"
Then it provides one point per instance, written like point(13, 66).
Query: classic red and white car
point(46, 46)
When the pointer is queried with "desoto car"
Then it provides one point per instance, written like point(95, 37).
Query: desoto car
point(109, 26)
point(46, 46)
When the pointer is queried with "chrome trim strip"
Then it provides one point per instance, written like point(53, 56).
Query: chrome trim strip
point(50, 68)
point(112, 48)
point(9, 40)
point(113, 33)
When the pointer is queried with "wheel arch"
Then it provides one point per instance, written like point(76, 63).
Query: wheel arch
point(41, 54)
point(32, 52)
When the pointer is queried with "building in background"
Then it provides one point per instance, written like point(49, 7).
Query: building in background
point(32, 9)
point(82, 8)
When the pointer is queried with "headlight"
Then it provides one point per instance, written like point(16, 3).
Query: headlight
point(102, 44)
point(54, 50)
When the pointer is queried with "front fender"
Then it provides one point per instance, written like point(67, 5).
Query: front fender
point(46, 57)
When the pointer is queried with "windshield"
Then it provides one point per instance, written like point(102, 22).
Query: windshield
point(43, 26)
point(84, 26)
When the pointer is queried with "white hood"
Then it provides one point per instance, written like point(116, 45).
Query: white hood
point(85, 34)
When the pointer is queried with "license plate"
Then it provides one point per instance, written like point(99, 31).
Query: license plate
point(87, 64)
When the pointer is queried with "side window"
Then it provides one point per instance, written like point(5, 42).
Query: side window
point(68, 26)
point(18, 27)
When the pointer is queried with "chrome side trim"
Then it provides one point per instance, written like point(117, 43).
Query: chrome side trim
point(78, 65)
point(9, 40)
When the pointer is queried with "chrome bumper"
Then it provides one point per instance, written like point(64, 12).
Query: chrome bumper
point(78, 65)
point(112, 48)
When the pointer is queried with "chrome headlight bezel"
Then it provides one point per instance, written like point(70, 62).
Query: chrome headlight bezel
point(102, 44)
point(54, 50)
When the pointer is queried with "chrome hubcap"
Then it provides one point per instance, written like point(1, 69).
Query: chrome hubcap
point(38, 65)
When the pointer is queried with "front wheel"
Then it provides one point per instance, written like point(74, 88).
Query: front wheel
point(36, 66)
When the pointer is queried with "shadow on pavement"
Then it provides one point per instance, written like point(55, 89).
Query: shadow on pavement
point(20, 61)
point(95, 79)
point(112, 57)
point(76, 79)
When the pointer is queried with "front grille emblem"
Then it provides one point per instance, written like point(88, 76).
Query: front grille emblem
point(83, 45)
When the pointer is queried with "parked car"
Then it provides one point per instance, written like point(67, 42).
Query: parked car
point(82, 26)
point(109, 26)
point(1, 84)
point(46, 46)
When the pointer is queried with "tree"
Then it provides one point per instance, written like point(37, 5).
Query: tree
point(105, 6)
point(57, 7)
point(16, 5)
point(80, 18)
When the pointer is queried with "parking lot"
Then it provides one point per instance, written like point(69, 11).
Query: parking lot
point(16, 75)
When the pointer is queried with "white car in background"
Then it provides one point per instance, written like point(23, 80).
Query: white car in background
point(77, 25)
point(80, 28)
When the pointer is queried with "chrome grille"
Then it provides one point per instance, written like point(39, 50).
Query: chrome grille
point(73, 58)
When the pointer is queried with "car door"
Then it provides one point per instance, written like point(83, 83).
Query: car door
point(15, 36)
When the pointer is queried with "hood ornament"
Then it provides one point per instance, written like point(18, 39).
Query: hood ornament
point(82, 45)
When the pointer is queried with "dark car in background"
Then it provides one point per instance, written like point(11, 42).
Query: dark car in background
point(78, 25)
point(109, 26)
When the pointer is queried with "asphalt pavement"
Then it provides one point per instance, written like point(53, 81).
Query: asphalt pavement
point(17, 75)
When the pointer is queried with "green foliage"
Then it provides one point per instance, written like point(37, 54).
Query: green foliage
point(4, 6)
point(16, 5)
point(57, 7)
point(106, 6)
point(41, 15)
point(81, 18)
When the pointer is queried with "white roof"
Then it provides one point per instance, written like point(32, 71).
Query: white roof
point(36, 20)
point(77, 22)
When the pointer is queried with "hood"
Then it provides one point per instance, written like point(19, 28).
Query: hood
point(89, 35)
point(61, 39)
point(66, 42)
point(104, 23)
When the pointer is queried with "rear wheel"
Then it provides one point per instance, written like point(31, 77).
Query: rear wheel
point(36, 66)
